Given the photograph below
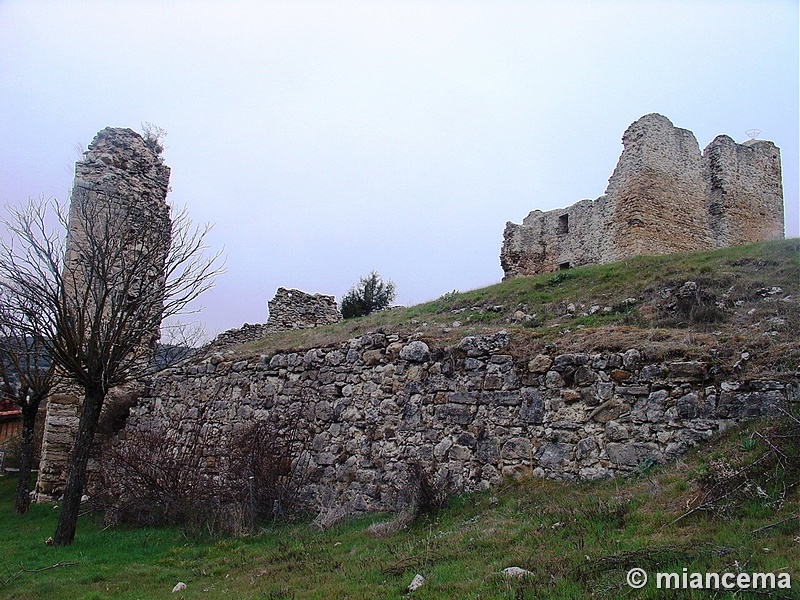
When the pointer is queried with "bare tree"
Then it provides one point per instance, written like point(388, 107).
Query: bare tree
point(179, 340)
point(96, 301)
point(28, 375)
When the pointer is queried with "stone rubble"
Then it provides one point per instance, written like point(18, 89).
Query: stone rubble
point(417, 582)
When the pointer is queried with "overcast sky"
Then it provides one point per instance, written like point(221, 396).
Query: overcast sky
point(327, 139)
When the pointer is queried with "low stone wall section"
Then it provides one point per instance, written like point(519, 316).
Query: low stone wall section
point(295, 309)
point(288, 310)
point(469, 414)
point(246, 333)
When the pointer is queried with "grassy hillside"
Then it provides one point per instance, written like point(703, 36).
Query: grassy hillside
point(746, 299)
point(730, 507)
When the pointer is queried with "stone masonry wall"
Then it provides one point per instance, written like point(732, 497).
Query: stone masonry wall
point(119, 177)
point(293, 309)
point(664, 196)
point(240, 335)
point(288, 310)
point(469, 414)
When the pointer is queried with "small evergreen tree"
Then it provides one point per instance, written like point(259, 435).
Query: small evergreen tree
point(371, 294)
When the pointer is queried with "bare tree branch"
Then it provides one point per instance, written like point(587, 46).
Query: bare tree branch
point(94, 298)
point(28, 375)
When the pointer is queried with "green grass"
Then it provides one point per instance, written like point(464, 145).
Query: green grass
point(577, 539)
point(732, 277)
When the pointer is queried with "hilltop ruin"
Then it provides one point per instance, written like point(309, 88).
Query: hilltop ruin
point(664, 196)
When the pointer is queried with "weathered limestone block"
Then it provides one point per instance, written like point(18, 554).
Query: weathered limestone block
point(632, 454)
point(687, 371)
point(551, 456)
point(416, 351)
point(539, 364)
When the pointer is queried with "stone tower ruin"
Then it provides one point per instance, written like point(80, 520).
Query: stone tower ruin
point(121, 177)
point(664, 196)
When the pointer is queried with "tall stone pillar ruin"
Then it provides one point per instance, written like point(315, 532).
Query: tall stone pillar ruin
point(120, 177)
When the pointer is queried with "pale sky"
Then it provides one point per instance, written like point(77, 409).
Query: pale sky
point(328, 139)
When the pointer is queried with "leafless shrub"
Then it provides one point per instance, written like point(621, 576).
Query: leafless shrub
point(158, 476)
point(398, 522)
point(416, 495)
point(27, 377)
point(274, 464)
point(153, 137)
point(329, 517)
point(190, 472)
point(766, 476)
point(693, 303)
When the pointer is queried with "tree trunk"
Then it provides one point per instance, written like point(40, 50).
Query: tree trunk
point(23, 498)
point(76, 471)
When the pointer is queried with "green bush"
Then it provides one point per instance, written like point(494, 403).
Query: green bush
point(371, 294)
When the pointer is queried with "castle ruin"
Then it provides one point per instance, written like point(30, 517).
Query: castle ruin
point(121, 182)
point(664, 196)
point(488, 406)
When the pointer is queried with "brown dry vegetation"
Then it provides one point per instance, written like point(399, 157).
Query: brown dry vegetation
point(746, 301)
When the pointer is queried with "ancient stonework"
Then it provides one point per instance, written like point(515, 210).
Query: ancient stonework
point(120, 177)
point(374, 408)
point(293, 309)
point(238, 335)
point(288, 310)
point(664, 196)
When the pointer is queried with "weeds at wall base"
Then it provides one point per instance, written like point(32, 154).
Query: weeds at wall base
point(577, 539)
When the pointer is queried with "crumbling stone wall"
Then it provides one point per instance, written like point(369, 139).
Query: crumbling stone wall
point(120, 173)
point(238, 335)
point(374, 407)
point(293, 309)
point(664, 196)
point(288, 310)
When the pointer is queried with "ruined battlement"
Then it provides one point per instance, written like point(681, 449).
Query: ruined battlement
point(293, 309)
point(664, 196)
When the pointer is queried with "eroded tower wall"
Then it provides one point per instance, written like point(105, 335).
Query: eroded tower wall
point(120, 177)
point(664, 196)
point(745, 195)
point(656, 195)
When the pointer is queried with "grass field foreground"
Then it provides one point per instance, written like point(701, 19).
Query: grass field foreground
point(730, 506)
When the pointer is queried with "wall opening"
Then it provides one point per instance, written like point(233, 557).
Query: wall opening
point(563, 266)
point(563, 224)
